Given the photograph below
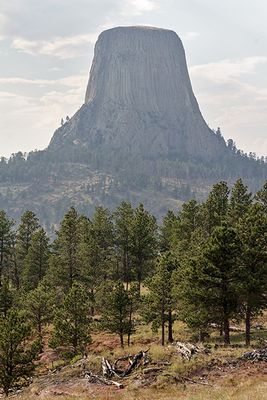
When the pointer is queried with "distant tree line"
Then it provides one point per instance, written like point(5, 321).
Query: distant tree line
point(205, 266)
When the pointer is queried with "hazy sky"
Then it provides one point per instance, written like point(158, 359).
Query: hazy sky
point(46, 49)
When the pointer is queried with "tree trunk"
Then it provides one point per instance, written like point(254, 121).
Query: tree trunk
point(248, 324)
point(170, 323)
point(121, 340)
point(201, 336)
point(226, 329)
point(130, 324)
point(162, 323)
point(92, 303)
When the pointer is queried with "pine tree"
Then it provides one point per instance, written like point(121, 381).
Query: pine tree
point(38, 306)
point(91, 258)
point(240, 201)
point(167, 231)
point(252, 232)
point(72, 322)
point(5, 244)
point(37, 260)
point(216, 206)
point(103, 234)
point(261, 197)
point(134, 303)
point(143, 243)
point(6, 297)
point(28, 226)
point(123, 217)
point(16, 356)
point(188, 230)
point(115, 312)
point(65, 265)
point(159, 302)
point(212, 280)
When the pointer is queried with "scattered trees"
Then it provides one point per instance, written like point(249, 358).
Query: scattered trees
point(206, 265)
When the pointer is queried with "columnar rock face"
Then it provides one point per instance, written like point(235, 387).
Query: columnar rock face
point(139, 100)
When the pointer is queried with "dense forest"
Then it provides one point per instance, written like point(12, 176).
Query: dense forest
point(206, 266)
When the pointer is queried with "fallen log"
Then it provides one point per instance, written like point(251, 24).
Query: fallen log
point(93, 378)
point(134, 361)
point(188, 350)
point(255, 355)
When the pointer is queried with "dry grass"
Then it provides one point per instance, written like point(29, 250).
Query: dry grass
point(250, 389)
point(225, 381)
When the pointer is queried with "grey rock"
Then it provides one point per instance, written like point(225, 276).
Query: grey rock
point(139, 100)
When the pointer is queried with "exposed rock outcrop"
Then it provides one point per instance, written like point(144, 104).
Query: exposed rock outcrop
point(139, 100)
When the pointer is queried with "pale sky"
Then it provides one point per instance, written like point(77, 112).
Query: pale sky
point(46, 49)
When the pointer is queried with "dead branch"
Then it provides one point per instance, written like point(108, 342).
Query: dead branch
point(93, 378)
point(188, 350)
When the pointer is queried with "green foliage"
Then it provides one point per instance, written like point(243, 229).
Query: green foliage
point(65, 262)
point(240, 201)
point(216, 206)
point(211, 280)
point(116, 311)
point(6, 298)
point(144, 242)
point(261, 197)
point(123, 217)
point(206, 265)
point(37, 260)
point(28, 226)
point(72, 321)
point(6, 235)
point(16, 357)
point(159, 303)
point(38, 305)
point(252, 233)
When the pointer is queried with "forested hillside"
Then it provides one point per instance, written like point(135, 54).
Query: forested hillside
point(205, 266)
point(49, 182)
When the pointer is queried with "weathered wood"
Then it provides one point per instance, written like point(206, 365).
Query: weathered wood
point(93, 378)
point(110, 370)
point(188, 350)
point(255, 355)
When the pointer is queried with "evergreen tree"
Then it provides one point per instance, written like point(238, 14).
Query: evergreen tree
point(123, 217)
point(188, 230)
point(167, 231)
point(143, 243)
point(16, 356)
point(65, 262)
point(36, 261)
point(103, 234)
point(252, 232)
point(213, 280)
point(38, 306)
point(115, 312)
point(240, 201)
point(159, 302)
point(216, 206)
point(261, 197)
point(134, 303)
point(72, 322)
point(28, 226)
point(5, 245)
point(91, 257)
point(6, 297)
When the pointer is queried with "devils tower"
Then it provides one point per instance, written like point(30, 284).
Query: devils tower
point(139, 100)
point(139, 136)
